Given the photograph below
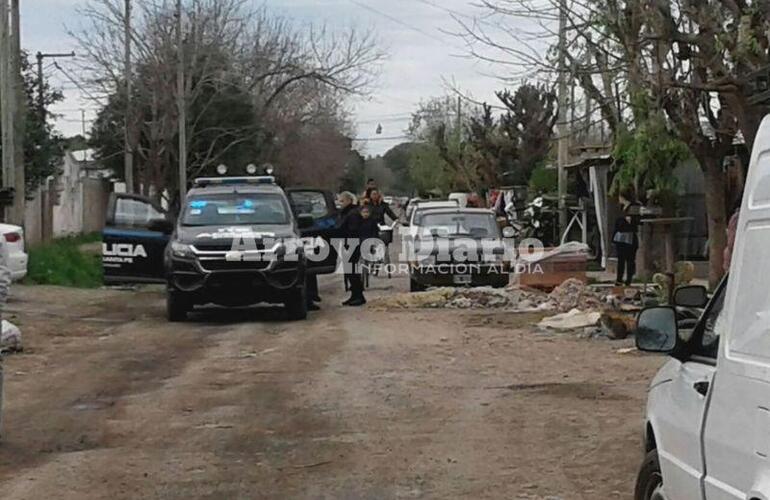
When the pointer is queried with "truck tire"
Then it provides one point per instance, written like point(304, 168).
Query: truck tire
point(296, 305)
point(649, 483)
point(177, 307)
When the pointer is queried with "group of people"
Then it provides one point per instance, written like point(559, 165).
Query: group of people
point(359, 220)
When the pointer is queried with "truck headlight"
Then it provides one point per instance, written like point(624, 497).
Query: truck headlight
point(182, 250)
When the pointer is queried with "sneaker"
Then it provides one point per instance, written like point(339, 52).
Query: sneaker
point(348, 301)
point(356, 302)
point(313, 307)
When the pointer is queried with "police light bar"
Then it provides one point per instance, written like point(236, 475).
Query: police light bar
point(224, 181)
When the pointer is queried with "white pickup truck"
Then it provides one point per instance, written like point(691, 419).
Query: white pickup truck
point(707, 428)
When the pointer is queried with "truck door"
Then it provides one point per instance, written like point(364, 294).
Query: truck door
point(319, 204)
point(737, 432)
point(134, 240)
point(681, 406)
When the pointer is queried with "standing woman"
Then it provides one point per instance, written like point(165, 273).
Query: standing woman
point(626, 239)
point(349, 227)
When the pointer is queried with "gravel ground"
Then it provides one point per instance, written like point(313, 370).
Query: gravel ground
point(110, 401)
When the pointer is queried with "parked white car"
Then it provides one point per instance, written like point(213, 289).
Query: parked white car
point(13, 250)
point(707, 429)
point(422, 207)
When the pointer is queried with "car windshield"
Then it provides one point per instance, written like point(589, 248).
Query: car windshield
point(459, 224)
point(235, 209)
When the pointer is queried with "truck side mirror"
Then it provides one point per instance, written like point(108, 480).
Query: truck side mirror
point(691, 296)
point(657, 330)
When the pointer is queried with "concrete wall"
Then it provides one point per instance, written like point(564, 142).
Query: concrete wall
point(96, 195)
point(71, 204)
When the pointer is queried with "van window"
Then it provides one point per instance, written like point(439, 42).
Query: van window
point(714, 324)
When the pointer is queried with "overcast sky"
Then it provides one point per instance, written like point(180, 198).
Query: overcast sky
point(421, 57)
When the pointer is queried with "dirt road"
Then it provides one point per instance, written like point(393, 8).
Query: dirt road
point(110, 401)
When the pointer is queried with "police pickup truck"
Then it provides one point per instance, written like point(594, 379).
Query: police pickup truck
point(236, 242)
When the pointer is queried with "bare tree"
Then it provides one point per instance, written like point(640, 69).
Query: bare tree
point(280, 73)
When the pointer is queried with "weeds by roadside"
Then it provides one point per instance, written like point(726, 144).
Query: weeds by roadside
point(66, 262)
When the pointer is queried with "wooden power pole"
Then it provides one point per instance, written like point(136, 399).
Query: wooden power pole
point(128, 151)
point(7, 100)
point(563, 126)
point(16, 215)
point(181, 106)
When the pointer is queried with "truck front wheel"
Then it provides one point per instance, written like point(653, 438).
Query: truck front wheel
point(649, 484)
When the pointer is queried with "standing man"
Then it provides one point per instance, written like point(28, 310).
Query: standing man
point(349, 227)
point(626, 239)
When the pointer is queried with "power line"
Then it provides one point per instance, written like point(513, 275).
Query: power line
point(403, 23)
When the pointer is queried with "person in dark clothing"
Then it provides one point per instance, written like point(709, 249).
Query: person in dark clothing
point(349, 227)
point(312, 293)
point(380, 209)
point(626, 239)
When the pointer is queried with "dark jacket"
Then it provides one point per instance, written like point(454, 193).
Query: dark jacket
point(369, 228)
point(380, 210)
point(349, 223)
point(628, 224)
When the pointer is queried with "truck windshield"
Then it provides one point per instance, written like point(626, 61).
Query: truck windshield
point(235, 209)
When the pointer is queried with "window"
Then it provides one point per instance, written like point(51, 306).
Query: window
point(712, 326)
point(459, 224)
point(310, 203)
point(235, 209)
point(135, 213)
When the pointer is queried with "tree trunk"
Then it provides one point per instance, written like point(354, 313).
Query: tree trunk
point(716, 211)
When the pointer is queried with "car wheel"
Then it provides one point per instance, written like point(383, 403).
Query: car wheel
point(414, 286)
point(177, 307)
point(296, 305)
point(649, 484)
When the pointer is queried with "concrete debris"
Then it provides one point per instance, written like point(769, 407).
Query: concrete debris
point(10, 337)
point(511, 298)
point(574, 294)
point(571, 320)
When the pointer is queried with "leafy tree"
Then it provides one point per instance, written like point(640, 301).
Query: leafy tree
point(528, 123)
point(429, 171)
point(646, 159)
point(43, 147)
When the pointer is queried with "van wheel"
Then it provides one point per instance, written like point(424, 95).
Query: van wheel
point(296, 304)
point(649, 484)
point(177, 307)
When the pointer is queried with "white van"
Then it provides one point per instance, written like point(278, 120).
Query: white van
point(707, 429)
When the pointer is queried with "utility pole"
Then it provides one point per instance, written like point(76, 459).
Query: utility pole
point(16, 215)
point(181, 106)
point(128, 151)
point(7, 98)
point(41, 80)
point(562, 128)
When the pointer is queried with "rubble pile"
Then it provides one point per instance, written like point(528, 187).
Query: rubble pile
point(574, 294)
point(511, 298)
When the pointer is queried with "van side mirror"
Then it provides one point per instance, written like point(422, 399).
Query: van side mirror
point(657, 330)
point(691, 296)
point(163, 226)
point(305, 221)
point(509, 232)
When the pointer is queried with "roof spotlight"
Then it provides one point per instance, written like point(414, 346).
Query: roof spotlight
point(269, 169)
point(251, 169)
point(222, 169)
